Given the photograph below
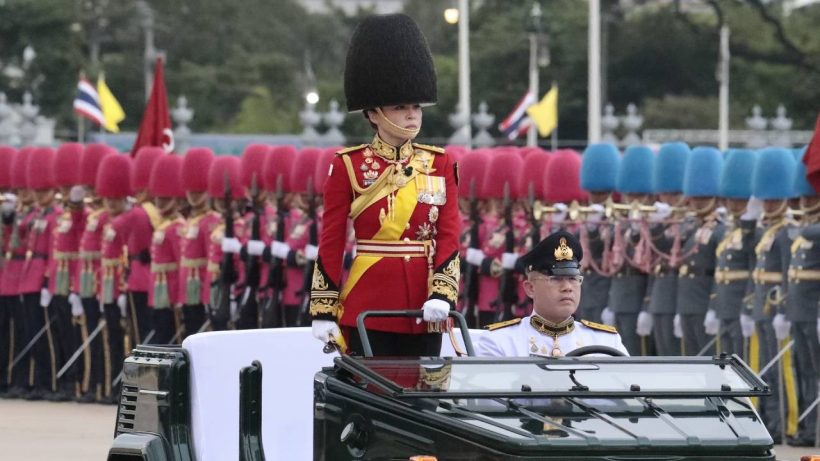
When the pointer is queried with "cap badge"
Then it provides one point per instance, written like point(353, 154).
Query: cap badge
point(563, 252)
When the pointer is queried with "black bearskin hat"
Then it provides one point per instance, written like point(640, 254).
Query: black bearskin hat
point(388, 63)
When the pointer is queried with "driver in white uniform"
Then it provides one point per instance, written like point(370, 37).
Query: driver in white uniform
point(553, 281)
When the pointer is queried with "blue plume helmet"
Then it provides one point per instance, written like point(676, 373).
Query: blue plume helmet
point(635, 174)
point(702, 178)
point(599, 167)
point(801, 184)
point(773, 177)
point(736, 177)
point(670, 166)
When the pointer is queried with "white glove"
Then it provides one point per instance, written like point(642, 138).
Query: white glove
point(76, 305)
point(608, 317)
point(231, 245)
point(782, 327)
point(76, 194)
point(45, 297)
point(311, 252)
point(234, 310)
point(645, 322)
point(747, 325)
point(754, 210)
point(279, 249)
point(434, 310)
point(711, 323)
point(256, 247)
point(662, 211)
point(596, 213)
point(122, 303)
point(560, 213)
point(9, 203)
point(474, 256)
point(508, 260)
point(324, 330)
point(677, 329)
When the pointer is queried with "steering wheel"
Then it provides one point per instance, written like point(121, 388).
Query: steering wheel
point(595, 349)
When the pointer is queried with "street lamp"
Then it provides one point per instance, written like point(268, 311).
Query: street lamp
point(535, 29)
point(451, 15)
point(312, 97)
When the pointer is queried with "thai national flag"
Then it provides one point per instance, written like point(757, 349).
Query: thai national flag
point(517, 123)
point(87, 102)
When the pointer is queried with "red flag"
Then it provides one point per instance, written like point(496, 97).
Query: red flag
point(155, 128)
point(812, 158)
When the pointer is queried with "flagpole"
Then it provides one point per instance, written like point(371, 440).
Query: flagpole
point(554, 137)
point(594, 77)
point(532, 133)
point(80, 130)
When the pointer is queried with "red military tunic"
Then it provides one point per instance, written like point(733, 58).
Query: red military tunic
point(113, 262)
point(215, 253)
point(165, 256)
point(63, 272)
point(16, 252)
point(139, 224)
point(193, 270)
point(90, 253)
point(404, 206)
point(297, 224)
point(39, 250)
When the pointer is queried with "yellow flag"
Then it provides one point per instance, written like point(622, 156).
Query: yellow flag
point(545, 112)
point(111, 109)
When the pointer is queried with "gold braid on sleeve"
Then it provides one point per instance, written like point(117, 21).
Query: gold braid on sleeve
point(324, 295)
point(445, 280)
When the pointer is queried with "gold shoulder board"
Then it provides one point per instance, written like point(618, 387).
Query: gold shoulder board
point(429, 148)
point(504, 324)
point(599, 326)
point(348, 150)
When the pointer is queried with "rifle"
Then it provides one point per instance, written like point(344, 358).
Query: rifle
point(272, 313)
point(471, 272)
point(249, 307)
point(227, 273)
point(535, 232)
point(507, 291)
point(313, 239)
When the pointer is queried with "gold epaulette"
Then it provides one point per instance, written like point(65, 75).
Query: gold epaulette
point(348, 150)
point(427, 147)
point(599, 326)
point(504, 324)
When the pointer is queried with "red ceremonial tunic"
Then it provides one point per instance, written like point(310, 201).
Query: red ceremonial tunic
point(39, 255)
point(113, 259)
point(195, 288)
point(65, 268)
point(165, 255)
point(404, 206)
point(90, 253)
point(16, 252)
point(297, 225)
point(139, 223)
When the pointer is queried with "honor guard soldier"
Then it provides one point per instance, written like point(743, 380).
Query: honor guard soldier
point(34, 281)
point(531, 191)
point(9, 201)
point(90, 261)
point(18, 218)
point(195, 238)
point(562, 186)
point(471, 171)
point(628, 287)
point(773, 182)
point(668, 234)
point(599, 173)
point(553, 281)
point(220, 281)
point(802, 305)
point(402, 198)
point(64, 268)
point(164, 295)
point(734, 253)
point(696, 274)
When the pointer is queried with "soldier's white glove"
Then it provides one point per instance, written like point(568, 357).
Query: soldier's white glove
point(677, 329)
point(747, 325)
point(231, 245)
point(560, 213)
point(311, 252)
point(256, 247)
point(122, 303)
point(645, 321)
point(608, 317)
point(76, 305)
point(76, 194)
point(434, 310)
point(45, 297)
point(508, 260)
point(711, 324)
point(474, 256)
point(596, 213)
point(662, 211)
point(9, 203)
point(754, 210)
point(782, 327)
point(234, 310)
point(279, 249)
point(323, 330)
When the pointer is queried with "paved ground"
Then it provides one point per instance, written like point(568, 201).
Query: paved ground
point(40, 431)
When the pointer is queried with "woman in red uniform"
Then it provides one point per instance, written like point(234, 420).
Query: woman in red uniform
point(401, 197)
